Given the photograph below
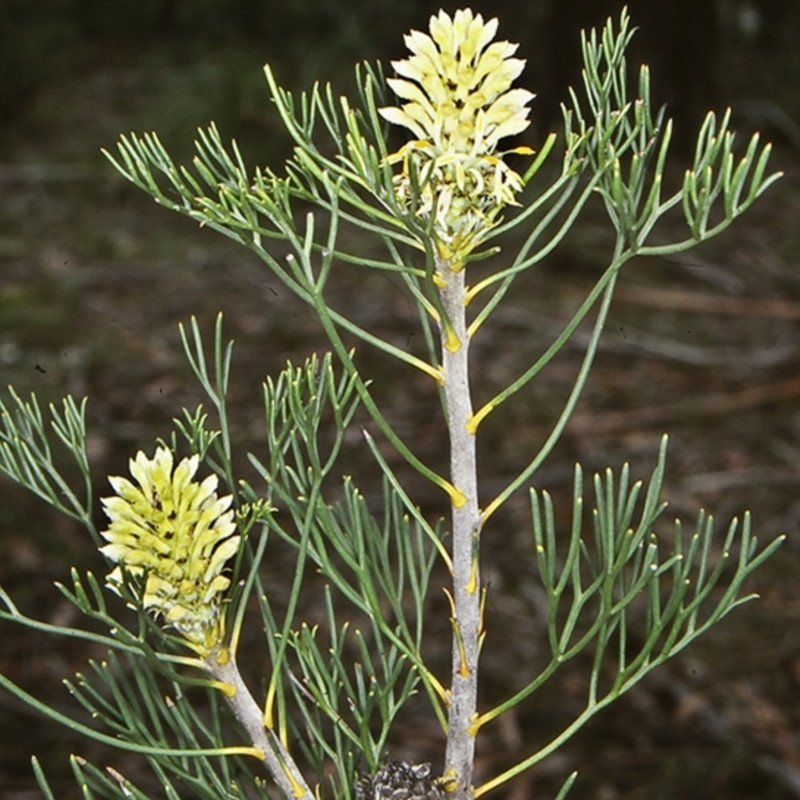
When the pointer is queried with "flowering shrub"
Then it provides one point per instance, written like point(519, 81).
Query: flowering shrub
point(187, 555)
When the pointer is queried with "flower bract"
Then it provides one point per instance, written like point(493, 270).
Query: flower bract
point(176, 534)
point(458, 104)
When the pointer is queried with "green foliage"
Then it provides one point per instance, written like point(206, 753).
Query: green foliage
point(27, 456)
point(604, 584)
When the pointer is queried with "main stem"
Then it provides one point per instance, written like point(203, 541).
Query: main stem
point(466, 525)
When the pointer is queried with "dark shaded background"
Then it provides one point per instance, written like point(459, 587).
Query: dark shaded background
point(94, 279)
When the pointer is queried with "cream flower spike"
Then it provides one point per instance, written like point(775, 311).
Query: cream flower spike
point(459, 104)
point(177, 534)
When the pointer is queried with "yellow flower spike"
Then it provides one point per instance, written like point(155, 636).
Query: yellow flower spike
point(457, 101)
point(177, 535)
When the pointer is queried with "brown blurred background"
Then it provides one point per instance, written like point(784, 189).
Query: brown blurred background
point(94, 279)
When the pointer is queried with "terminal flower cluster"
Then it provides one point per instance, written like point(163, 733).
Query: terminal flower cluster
point(458, 104)
point(177, 534)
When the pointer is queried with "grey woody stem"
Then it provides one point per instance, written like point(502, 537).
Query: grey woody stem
point(280, 764)
point(466, 525)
